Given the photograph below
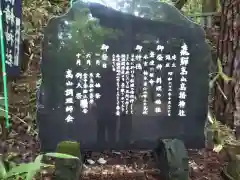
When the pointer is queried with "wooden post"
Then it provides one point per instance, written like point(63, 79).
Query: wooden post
point(209, 6)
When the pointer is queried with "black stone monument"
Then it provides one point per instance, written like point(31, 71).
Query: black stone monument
point(120, 78)
point(11, 20)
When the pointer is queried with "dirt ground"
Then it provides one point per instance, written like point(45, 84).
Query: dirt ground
point(22, 142)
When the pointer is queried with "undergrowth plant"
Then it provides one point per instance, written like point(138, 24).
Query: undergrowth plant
point(27, 171)
point(221, 133)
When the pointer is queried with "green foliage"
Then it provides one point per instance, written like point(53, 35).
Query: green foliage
point(221, 133)
point(218, 141)
point(192, 7)
point(219, 74)
point(61, 156)
point(34, 17)
point(223, 136)
point(27, 171)
point(219, 136)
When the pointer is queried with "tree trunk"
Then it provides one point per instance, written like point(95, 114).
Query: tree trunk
point(208, 6)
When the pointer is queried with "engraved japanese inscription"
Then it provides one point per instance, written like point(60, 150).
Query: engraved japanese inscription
point(114, 79)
